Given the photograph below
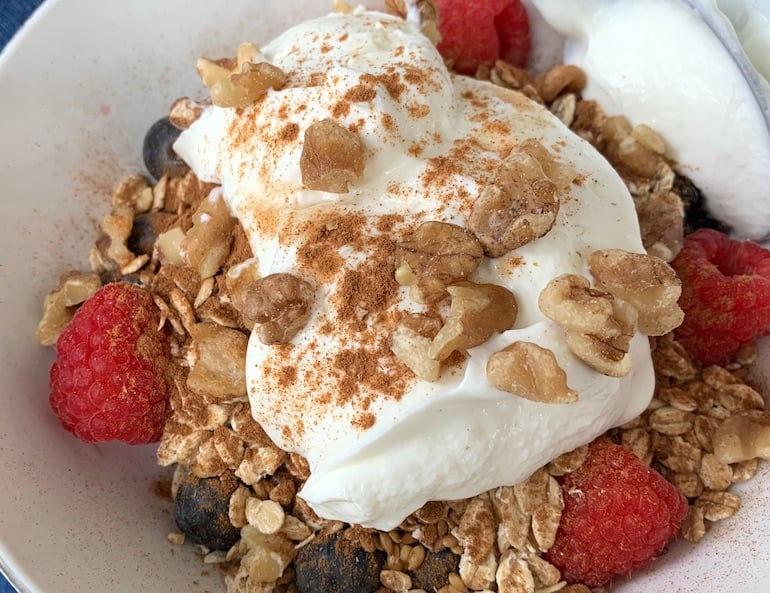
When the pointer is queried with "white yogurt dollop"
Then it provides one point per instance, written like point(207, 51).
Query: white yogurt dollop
point(380, 442)
point(658, 62)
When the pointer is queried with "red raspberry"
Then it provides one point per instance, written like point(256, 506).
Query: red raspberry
point(109, 380)
point(725, 294)
point(475, 32)
point(618, 514)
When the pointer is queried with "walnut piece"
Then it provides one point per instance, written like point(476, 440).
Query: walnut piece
point(207, 243)
point(437, 254)
point(477, 311)
point(519, 207)
point(598, 327)
point(428, 12)
point(564, 78)
point(530, 371)
point(332, 157)
point(219, 369)
point(411, 348)
point(184, 112)
point(238, 280)
point(743, 437)
point(239, 85)
point(168, 247)
point(60, 304)
point(281, 303)
point(647, 282)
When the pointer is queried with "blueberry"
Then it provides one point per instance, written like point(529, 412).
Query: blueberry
point(158, 151)
point(695, 207)
point(332, 564)
point(433, 573)
point(201, 510)
point(145, 231)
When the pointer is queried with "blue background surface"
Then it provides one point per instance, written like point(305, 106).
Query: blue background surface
point(13, 13)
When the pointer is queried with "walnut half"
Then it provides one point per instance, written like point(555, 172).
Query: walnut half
point(598, 327)
point(530, 371)
point(647, 282)
point(518, 208)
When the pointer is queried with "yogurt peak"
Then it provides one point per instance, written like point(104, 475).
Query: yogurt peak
point(379, 441)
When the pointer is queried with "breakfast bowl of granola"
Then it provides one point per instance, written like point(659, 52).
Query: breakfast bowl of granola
point(318, 297)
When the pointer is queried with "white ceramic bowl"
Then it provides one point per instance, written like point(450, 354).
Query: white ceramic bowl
point(78, 88)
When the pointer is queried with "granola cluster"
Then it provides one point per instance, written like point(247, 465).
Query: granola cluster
point(704, 430)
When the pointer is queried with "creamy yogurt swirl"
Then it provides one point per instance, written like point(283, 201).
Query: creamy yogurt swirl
point(380, 442)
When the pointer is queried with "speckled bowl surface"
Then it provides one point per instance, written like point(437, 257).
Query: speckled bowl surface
point(78, 88)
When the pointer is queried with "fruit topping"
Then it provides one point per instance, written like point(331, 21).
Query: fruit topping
point(333, 563)
point(146, 230)
point(501, 31)
point(725, 294)
point(201, 510)
point(109, 381)
point(435, 570)
point(158, 152)
point(618, 514)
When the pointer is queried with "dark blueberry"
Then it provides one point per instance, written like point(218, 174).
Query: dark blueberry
point(201, 510)
point(158, 151)
point(132, 280)
point(434, 571)
point(332, 564)
point(145, 231)
point(695, 209)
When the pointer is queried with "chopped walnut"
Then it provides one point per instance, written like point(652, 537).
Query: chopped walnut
point(238, 280)
point(411, 348)
point(530, 371)
point(597, 326)
point(281, 303)
point(437, 254)
point(219, 369)
point(428, 12)
point(112, 246)
point(743, 437)
point(268, 554)
point(60, 304)
point(207, 243)
point(637, 149)
point(184, 112)
point(477, 311)
point(332, 157)
point(239, 85)
point(557, 80)
point(168, 247)
point(519, 207)
point(560, 173)
point(508, 76)
point(647, 282)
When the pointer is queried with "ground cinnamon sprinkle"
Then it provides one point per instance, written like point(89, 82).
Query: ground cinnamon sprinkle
point(319, 255)
point(289, 132)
